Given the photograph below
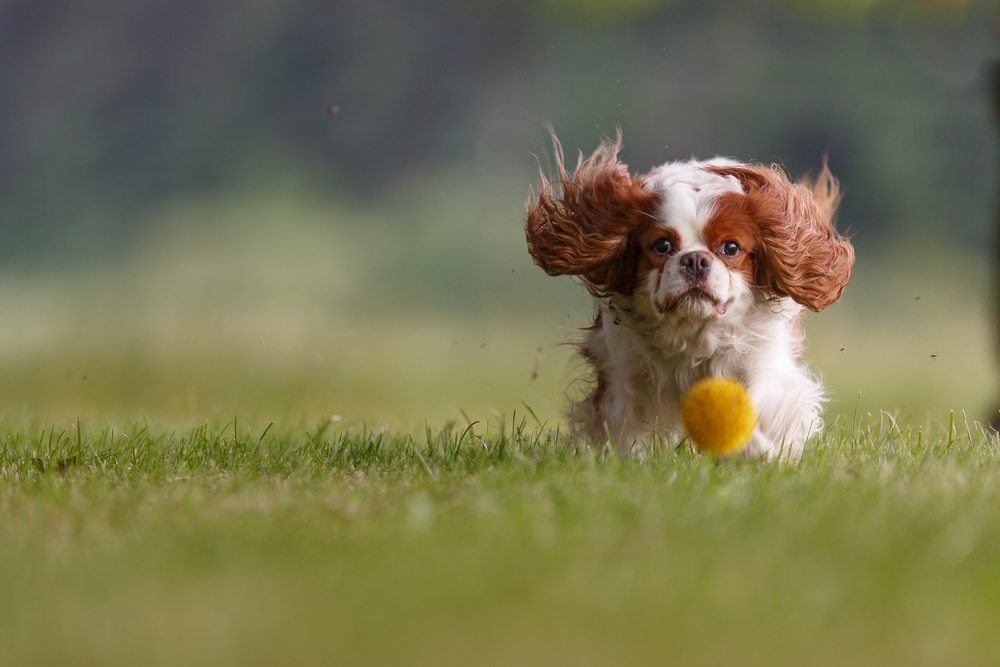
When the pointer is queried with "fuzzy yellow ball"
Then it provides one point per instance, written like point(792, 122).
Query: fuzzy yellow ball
point(718, 415)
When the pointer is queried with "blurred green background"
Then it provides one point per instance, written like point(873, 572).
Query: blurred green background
point(312, 209)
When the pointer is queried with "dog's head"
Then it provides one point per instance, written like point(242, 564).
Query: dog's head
point(694, 237)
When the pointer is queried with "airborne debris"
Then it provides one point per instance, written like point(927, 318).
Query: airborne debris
point(538, 363)
point(333, 110)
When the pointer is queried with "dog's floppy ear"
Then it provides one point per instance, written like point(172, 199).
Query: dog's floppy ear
point(802, 254)
point(582, 223)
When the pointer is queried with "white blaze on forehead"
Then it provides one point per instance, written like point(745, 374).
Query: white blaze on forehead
point(689, 192)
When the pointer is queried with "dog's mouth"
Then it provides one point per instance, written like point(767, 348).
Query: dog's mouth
point(692, 295)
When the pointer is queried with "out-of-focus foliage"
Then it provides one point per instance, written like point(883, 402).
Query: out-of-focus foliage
point(311, 208)
point(110, 108)
point(271, 309)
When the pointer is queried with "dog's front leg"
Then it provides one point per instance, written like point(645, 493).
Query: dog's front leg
point(789, 406)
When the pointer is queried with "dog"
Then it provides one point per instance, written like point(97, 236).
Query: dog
point(697, 268)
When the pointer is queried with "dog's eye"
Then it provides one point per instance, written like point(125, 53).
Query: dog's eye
point(730, 248)
point(663, 246)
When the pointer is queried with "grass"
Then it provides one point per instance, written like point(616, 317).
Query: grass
point(491, 544)
point(284, 536)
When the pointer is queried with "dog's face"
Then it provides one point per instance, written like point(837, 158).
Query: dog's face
point(697, 255)
point(696, 238)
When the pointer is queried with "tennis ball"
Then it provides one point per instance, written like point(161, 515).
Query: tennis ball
point(718, 415)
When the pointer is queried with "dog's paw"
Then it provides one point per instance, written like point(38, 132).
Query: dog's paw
point(761, 448)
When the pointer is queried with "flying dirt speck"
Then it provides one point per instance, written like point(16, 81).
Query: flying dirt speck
point(537, 365)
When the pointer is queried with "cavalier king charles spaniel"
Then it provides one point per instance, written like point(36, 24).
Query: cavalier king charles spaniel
point(697, 269)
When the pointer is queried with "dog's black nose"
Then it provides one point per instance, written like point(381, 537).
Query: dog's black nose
point(695, 264)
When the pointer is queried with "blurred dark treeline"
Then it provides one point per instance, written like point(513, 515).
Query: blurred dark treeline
point(110, 108)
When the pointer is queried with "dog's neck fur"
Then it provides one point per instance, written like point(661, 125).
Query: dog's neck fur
point(679, 343)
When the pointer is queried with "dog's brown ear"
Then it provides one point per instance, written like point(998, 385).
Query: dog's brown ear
point(802, 255)
point(582, 223)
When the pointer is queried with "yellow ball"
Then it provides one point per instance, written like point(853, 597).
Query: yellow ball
point(718, 415)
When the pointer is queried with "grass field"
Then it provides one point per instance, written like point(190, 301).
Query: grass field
point(499, 543)
point(230, 447)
